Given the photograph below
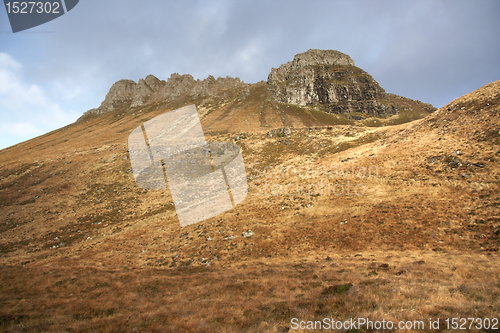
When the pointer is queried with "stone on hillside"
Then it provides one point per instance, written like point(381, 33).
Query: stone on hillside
point(248, 233)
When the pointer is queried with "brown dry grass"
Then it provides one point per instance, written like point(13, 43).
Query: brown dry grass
point(84, 249)
point(256, 296)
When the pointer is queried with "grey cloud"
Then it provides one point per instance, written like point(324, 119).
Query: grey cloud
point(429, 50)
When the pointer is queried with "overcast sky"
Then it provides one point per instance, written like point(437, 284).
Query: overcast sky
point(433, 51)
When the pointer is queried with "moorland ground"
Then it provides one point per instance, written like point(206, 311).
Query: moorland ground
point(384, 222)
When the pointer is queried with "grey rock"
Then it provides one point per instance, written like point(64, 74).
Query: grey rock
point(129, 94)
point(143, 92)
point(248, 233)
point(434, 159)
point(120, 93)
point(272, 133)
point(286, 131)
point(328, 78)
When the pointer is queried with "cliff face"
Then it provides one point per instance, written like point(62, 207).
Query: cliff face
point(129, 94)
point(330, 80)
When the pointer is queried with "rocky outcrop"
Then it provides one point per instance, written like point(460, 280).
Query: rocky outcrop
point(129, 94)
point(329, 80)
point(145, 88)
point(120, 93)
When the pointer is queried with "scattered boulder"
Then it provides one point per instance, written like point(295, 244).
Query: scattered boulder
point(272, 133)
point(285, 131)
point(240, 136)
point(434, 159)
point(248, 233)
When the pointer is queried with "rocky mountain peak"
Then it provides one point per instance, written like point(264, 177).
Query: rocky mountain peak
point(322, 57)
point(329, 80)
point(154, 82)
point(144, 89)
point(326, 80)
point(120, 91)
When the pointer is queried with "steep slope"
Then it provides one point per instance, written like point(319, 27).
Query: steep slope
point(452, 155)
